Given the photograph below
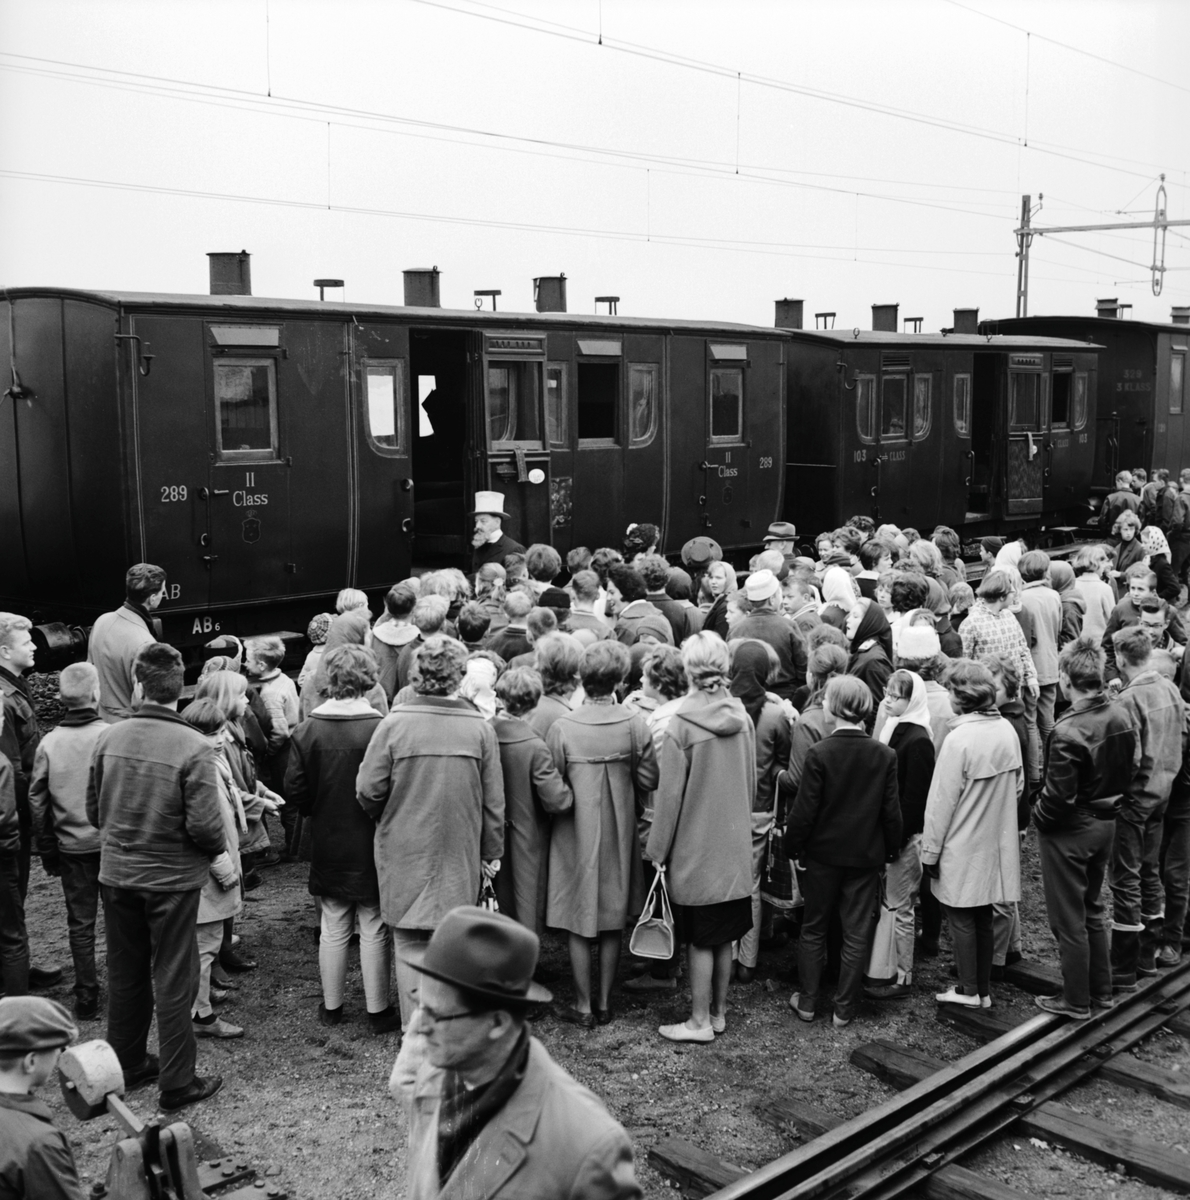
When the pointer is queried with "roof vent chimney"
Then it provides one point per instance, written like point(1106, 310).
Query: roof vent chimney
point(884, 318)
point(1108, 308)
point(421, 287)
point(966, 320)
point(231, 273)
point(1180, 314)
point(549, 293)
point(789, 314)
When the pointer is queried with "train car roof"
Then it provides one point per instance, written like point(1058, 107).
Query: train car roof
point(264, 305)
point(968, 341)
point(1106, 324)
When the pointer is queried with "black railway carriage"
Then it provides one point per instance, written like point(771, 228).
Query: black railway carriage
point(1142, 397)
point(268, 452)
point(976, 432)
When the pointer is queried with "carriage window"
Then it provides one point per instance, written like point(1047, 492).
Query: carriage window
point(1024, 401)
point(727, 404)
point(921, 406)
point(598, 402)
point(246, 408)
point(385, 383)
point(1079, 415)
point(962, 405)
point(892, 406)
point(514, 404)
point(1063, 388)
point(865, 407)
point(642, 402)
point(1177, 381)
point(557, 426)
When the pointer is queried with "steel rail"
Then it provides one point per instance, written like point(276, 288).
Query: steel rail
point(891, 1148)
point(995, 1111)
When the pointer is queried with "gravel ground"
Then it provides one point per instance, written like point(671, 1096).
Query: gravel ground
point(310, 1105)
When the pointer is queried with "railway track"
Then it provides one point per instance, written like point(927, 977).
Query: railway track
point(912, 1142)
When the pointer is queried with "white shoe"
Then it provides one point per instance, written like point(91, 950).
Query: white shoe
point(954, 996)
point(985, 1002)
point(719, 1024)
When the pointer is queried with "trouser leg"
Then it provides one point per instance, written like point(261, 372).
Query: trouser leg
point(337, 920)
point(984, 921)
point(749, 945)
point(1034, 740)
point(375, 957)
point(171, 918)
point(931, 914)
point(1175, 861)
point(1006, 931)
point(14, 940)
point(902, 884)
point(1047, 698)
point(408, 980)
point(1127, 925)
point(962, 935)
point(129, 974)
point(859, 897)
point(25, 853)
point(820, 886)
point(1073, 861)
point(208, 936)
point(80, 888)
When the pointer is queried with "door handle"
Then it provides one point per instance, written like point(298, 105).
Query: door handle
point(407, 525)
point(204, 539)
point(222, 491)
point(210, 558)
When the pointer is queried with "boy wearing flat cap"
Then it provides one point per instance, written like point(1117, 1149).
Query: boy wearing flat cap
point(491, 1115)
point(35, 1158)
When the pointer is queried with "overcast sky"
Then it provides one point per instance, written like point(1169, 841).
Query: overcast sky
point(706, 159)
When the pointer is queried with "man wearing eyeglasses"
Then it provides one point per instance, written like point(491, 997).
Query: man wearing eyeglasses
point(490, 1113)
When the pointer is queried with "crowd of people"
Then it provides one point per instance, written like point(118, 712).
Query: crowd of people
point(839, 748)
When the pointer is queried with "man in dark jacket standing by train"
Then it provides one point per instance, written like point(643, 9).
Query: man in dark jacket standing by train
point(154, 797)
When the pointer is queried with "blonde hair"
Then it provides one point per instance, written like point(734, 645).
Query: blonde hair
point(225, 688)
point(707, 661)
point(350, 599)
point(78, 685)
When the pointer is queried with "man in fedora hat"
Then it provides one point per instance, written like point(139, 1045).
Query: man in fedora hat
point(490, 1113)
point(491, 543)
point(782, 537)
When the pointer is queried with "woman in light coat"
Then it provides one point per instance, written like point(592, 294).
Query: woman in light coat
point(970, 845)
point(605, 755)
point(702, 829)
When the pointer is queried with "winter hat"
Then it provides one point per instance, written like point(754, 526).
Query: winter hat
point(918, 641)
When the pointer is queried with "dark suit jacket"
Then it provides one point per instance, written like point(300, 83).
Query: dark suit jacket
point(496, 552)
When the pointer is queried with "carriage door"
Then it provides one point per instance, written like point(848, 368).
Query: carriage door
point(517, 443)
point(247, 495)
point(1025, 466)
point(895, 418)
point(384, 473)
point(599, 507)
point(726, 469)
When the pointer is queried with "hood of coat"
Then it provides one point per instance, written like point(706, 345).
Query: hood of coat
point(392, 634)
point(714, 715)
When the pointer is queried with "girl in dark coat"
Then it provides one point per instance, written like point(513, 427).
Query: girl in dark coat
point(909, 733)
point(871, 649)
point(326, 752)
point(533, 790)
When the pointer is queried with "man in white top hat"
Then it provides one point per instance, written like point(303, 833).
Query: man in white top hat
point(491, 543)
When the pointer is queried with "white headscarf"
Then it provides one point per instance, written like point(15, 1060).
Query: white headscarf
point(477, 686)
point(1153, 541)
point(838, 588)
point(917, 712)
point(1009, 555)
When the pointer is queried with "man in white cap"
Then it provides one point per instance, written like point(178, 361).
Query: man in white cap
point(491, 543)
point(765, 622)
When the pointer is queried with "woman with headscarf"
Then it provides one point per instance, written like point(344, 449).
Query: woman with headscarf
point(839, 596)
point(1009, 554)
point(1156, 548)
point(871, 649)
point(752, 666)
point(909, 732)
point(1074, 606)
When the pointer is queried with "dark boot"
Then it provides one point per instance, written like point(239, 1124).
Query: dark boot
point(1150, 941)
point(1125, 951)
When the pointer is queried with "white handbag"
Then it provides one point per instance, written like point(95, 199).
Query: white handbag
point(882, 962)
point(653, 936)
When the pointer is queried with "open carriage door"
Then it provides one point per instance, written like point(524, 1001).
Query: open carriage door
point(1025, 461)
point(384, 472)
